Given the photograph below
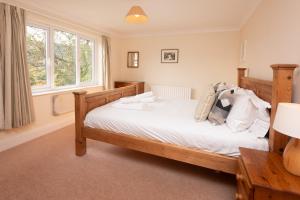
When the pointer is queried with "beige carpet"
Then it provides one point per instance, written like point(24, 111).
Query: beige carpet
point(47, 168)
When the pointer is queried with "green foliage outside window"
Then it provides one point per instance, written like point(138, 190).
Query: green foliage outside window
point(36, 55)
point(64, 57)
point(86, 60)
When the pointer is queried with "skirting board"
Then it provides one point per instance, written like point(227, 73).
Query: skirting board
point(34, 133)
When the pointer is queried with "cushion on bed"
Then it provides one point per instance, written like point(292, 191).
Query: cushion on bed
point(204, 106)
point(221, 86)
point(221, 107)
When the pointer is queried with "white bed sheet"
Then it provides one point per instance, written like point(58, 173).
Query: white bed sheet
point(172, 121)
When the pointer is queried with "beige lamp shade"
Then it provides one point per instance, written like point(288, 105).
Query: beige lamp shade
point(287, 122)
point(287, 119)
point(136, 15)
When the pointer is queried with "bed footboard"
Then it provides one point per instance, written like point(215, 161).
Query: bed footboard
point(86, 102)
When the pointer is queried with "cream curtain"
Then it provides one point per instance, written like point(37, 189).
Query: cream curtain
point(106, 62)
point(16, 107)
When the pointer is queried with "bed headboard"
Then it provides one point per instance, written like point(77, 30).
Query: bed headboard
point(278, 90)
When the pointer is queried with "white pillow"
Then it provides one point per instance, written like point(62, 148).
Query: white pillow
point(258, 102)
point(261, 124)
point(239, 118)
point(242, 114)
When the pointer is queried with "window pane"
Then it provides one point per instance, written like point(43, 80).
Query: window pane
point(64, 58)
point(36, 43)
point(86, 60)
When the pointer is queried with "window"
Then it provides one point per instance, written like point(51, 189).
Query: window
point(36, 40)
point(86, 60)
point(72, 63)
point(64, 58)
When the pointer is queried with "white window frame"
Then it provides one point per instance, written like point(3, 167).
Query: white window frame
point(50, 86)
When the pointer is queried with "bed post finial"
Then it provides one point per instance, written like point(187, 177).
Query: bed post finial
point(281, 92)
point(241, 74)
point(80, 110)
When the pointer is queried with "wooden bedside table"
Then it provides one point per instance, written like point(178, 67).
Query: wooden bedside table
point(140, 85)
point(261, 175)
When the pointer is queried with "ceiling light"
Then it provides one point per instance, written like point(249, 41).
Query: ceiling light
point(136, 15)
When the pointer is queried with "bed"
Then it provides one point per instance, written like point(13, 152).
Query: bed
point(161, 122)
point(96, 119)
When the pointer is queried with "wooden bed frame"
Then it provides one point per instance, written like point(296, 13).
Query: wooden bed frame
point(278, 90)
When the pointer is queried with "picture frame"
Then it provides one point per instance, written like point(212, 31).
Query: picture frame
point(169, 55)
point(133, 59)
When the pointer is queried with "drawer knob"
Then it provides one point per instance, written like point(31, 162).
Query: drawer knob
point(239, 177)
point(238, 196)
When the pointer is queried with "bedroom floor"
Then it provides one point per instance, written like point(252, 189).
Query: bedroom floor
point(47, 168)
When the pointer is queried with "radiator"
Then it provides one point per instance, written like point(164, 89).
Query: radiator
point(63, 103)
point(171, 91)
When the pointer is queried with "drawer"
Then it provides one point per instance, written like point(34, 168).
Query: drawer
point(241, 194)
point(242, 176)
point(121, 84)
point(244, 190)
point(140, 85)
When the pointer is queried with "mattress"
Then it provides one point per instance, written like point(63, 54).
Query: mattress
point(172, 121)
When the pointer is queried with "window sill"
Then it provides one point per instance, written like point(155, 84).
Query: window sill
point(34, 94)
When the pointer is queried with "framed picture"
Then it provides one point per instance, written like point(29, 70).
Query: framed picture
point(133, 59)
point(169, 55)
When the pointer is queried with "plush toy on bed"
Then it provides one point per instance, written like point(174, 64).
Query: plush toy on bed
point(222, 104)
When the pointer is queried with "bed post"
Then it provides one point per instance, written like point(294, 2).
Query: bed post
point(80, 111)
point(281, 92)
point(241, 75)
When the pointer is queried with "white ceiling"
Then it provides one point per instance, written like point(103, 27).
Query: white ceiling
point(165, 16)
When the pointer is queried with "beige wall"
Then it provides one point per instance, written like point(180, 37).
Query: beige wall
point(273, 36)
point(43, 107)
point(204, 58)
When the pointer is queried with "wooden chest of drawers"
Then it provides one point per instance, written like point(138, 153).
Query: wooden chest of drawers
point(141, 85)
point(261, 176)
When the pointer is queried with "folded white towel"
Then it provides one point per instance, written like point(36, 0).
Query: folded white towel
point(147, 97)
point(127, 100)
point(131, 106)
point(144, 95)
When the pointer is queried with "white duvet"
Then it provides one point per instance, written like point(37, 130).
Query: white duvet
point(172, 121)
